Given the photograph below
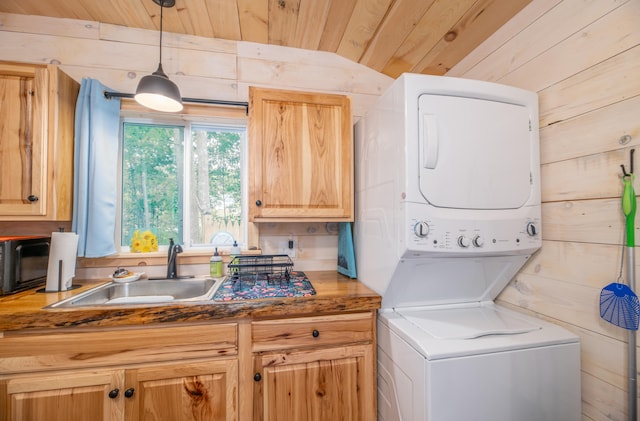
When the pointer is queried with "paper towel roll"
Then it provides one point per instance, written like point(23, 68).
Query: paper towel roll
point(62, 261)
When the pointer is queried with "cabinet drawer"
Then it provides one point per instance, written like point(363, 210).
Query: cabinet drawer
point(269, 335)
point(82, 349)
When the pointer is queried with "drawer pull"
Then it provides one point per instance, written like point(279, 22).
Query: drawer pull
point(129, 392)
point(32, 198)
point(114, 393)
point(315, 333)
point(257, 377)
point(258, 202)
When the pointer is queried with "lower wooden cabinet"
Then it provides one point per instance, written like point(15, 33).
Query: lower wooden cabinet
point(77, 396)
point(198, 391)
point(315, 368)
point(319, 368)
point(166, 373)
point(320, 385)
point(205, 391)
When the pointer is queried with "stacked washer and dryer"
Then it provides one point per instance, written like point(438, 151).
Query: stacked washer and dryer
point(447, 212)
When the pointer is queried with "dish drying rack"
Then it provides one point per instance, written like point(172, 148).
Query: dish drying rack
point(248, 271)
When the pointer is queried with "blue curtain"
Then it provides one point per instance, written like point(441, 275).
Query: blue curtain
point(95, 191)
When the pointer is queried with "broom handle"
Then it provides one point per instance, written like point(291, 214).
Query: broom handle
point(631, 352)
point(629, 210)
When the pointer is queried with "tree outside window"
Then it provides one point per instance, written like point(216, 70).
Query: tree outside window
point(182, 182)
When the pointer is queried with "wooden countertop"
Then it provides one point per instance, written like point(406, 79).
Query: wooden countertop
point(335, 293)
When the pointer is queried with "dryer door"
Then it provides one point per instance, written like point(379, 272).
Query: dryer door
point(474, 153)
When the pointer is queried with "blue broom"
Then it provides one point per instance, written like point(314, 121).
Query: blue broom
point(619, 305)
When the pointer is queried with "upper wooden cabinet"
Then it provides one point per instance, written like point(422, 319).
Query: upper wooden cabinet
point(37, 109)
point(300, 156)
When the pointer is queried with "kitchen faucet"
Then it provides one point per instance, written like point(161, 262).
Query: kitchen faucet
point(172, 259)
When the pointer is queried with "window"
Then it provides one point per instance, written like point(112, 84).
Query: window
point(183, 180)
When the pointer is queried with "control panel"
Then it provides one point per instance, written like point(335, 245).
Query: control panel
point(457, 231)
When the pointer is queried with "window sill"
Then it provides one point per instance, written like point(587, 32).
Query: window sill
point(157, 258)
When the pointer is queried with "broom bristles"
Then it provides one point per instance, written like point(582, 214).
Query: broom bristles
point(620, 306)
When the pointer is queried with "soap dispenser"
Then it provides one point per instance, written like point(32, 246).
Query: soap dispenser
point(215, 265)
point(235, 250)
point(234, 254)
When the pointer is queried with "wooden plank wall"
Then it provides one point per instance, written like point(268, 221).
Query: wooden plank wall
point(583, 59)
point(581, 56)
point(203, 68)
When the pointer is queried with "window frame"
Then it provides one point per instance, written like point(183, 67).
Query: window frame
point(192, 115)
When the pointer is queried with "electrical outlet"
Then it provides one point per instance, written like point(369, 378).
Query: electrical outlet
point(288, 246)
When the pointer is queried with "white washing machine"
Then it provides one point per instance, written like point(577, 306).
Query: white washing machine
point(481, 363)
point(447, 213)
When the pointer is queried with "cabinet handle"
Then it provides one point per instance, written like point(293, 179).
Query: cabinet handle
point(32, 198)
point(129, 392)
point(257, 377)
point(258, 202)
point(315, 333)
point(114, 393)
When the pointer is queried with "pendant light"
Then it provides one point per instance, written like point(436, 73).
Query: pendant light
point(157, 91)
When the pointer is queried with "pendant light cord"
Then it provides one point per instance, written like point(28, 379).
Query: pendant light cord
point(161, 8)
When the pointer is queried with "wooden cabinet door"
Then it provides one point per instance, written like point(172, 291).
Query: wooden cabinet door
point(316, 385)
point(23, 126)
point(300, 156)
point(79, 396)
point(205, 391)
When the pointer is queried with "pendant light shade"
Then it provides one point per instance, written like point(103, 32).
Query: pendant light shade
point(157, 91)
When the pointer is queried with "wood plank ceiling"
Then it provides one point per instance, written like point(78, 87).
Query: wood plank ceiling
point(390, 36)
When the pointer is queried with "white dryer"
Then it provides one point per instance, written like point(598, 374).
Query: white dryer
point(447, 212)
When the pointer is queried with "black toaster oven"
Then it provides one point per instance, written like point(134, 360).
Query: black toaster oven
point(24, 261)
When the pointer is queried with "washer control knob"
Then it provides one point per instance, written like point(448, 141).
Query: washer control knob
point(478, 241)
point(463, 241)
point(532, 230)
point(421, 229)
